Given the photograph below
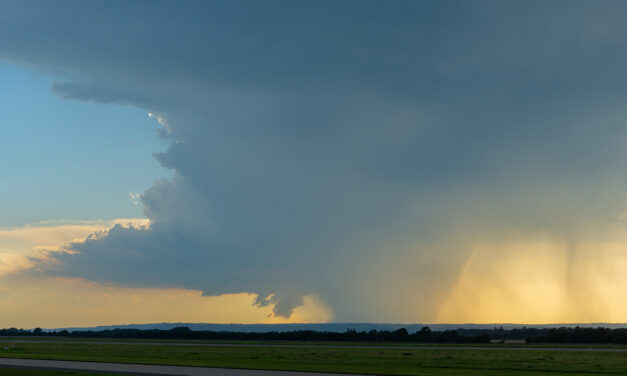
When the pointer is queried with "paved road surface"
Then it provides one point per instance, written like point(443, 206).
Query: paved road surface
point(145, 369)
point(409, 347)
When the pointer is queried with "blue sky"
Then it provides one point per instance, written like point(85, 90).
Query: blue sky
point(70, 160)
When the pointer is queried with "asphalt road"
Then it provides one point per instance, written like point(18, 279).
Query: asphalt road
point(496, 348)
point(145, 369)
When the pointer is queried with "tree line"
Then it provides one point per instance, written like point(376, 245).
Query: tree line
point(424, 335)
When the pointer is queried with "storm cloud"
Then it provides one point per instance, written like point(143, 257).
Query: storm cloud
point(355, 150)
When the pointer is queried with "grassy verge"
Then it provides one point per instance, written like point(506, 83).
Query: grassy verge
point(416, 361)
point(29, 372)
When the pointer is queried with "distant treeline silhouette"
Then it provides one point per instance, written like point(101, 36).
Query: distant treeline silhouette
point(424, 335)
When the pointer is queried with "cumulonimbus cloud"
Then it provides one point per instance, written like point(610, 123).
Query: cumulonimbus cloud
point(351, 150)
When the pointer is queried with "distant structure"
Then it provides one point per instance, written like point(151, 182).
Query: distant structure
point(509, 341)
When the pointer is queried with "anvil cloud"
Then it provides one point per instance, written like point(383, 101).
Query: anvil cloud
point(359, 151)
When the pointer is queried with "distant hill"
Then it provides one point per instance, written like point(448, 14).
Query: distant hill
point(330, 327)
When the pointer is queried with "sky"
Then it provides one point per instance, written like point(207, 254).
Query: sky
point(282, 161)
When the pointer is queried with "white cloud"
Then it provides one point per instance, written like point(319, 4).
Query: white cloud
point(161, 120)
point(135, 198)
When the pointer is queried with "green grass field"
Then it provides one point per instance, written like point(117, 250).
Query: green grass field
point(415, 361)
point(4, 339)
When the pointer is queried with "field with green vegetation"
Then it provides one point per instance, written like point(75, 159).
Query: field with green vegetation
point(392, 361)
point(11, 339)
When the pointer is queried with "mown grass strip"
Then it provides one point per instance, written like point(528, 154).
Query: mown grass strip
point(37, 372)
point(342, 360)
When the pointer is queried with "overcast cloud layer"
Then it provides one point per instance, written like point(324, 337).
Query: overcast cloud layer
point(358, 151)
